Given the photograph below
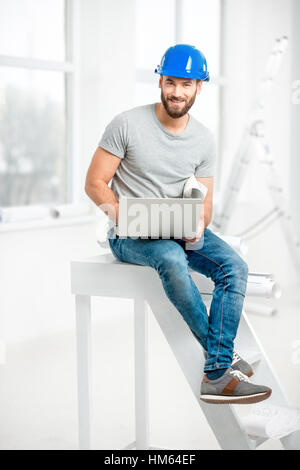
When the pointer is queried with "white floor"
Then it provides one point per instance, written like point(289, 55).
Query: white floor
point(38, 383)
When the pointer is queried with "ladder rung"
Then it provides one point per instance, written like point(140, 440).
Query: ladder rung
point(251, 356)
point(270, 421)
point(257, 441)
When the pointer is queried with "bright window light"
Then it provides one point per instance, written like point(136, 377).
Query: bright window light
point(33, 29)
point(35, 102)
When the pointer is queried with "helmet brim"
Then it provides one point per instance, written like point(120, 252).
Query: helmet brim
point(173, 73)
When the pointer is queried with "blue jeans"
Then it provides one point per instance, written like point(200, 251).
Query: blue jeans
point(216, 260)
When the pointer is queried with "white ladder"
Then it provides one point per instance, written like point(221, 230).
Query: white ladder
point(253, 139)
point(223, 419)
point(99, 276)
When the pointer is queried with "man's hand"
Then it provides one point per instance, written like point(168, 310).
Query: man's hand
point(111, 210)
point(199, 233)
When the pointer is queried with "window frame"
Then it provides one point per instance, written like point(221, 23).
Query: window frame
point(70, 68)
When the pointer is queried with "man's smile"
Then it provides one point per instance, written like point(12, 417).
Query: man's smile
point(176, 102)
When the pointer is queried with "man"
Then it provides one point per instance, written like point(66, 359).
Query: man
point(151, 150)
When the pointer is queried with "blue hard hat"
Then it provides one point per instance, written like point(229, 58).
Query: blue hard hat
point(183, 61)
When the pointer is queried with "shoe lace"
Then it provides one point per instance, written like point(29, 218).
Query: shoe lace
point(235, 358)
point(240, 376)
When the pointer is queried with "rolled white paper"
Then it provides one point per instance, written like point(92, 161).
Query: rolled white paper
point(272, 421)
point(257, 275)
point(263, 287)
point(237, 243)
point(193, 188)
point(23, 213)
point(259, 309)
point(256, 426)
point(70, 210)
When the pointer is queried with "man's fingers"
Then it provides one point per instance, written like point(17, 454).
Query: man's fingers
point(190, 240)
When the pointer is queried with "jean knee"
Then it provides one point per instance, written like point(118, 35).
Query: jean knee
point(242, 269)
point(174, 261)
point(239, 276)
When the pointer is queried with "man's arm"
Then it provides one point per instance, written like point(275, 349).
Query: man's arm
point(207, 208)
point(101, 170)
point(208, 201)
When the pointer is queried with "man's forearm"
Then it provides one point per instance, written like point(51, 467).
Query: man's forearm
point(207, 220)
point(103, 196)
point(207, 215)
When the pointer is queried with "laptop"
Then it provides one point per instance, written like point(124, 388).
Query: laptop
point(152, 217)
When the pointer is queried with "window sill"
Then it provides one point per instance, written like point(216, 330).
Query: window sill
point(46, 223)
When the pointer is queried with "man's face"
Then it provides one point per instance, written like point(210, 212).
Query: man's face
point(178, 94)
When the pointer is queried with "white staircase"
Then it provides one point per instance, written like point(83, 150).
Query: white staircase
point(99, 276)
point(224, 420)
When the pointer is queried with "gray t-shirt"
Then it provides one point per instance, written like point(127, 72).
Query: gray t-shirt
point(156, 162)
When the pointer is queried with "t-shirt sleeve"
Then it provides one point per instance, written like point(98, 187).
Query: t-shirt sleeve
point(115, 136)
point(207, 165)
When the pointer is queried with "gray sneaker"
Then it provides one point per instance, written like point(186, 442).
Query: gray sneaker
point(232, 388)
point(239, 364)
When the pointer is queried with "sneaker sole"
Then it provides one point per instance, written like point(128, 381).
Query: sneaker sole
point(243, 400)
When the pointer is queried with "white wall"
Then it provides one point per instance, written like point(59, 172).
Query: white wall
point(107, 67)
point(295, 114)
point(34, 267)
point(251, 27)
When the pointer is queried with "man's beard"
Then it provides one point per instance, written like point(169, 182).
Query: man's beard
point(181, 111)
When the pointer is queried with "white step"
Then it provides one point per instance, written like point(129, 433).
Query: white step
point(229, 428)
point(269, 421)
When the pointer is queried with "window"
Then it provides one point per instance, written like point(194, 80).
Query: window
point(163, 24)
point(200, 25)
point(36, 80)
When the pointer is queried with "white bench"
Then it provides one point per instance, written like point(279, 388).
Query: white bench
point(99, 276)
